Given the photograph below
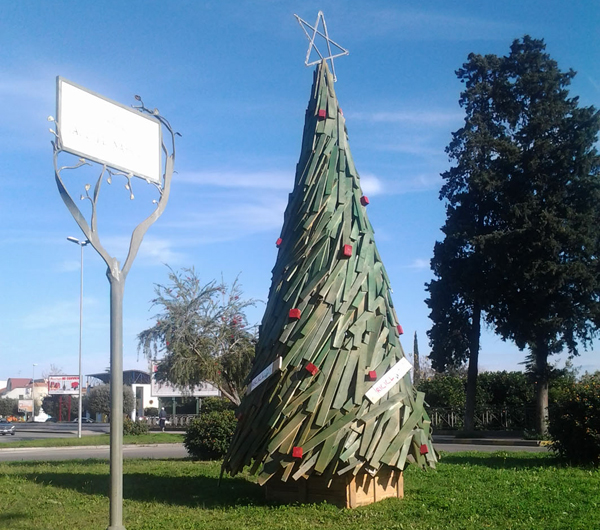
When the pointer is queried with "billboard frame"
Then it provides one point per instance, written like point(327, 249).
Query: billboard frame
point(71, 391)
point(65, 139)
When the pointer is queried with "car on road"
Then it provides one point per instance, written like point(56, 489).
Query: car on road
point(6, 427)
point(83, 420)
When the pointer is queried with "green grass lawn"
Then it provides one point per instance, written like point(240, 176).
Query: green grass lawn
point(475, 491)
point(99, 439)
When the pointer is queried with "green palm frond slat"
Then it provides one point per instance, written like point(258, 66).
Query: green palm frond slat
point(347, 328)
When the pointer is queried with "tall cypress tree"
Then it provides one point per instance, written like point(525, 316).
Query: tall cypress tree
point(330, 332)
point(548, 253)
point(521, 239)
point(464, 283)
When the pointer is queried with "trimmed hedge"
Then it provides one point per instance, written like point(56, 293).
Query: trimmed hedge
point(574, 424)
point(208, 437)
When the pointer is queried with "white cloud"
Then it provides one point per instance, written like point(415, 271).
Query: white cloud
point(61, 315)
point(158, 250)
point(371, 185)
point(28, 88)
point(594, 83)
point(399, 184)
point(153, 250)
point(27, 101)
point(414, 146)
point(414, 117)
point(273, 180)
point(233, 221)
point(410, 24)
point(69, 266)
point(418, 183)
point(418, 264)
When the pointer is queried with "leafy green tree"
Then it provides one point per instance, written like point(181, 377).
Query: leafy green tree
point(9, 407)
point(523, 215)
point(216, 404)
point(98, 400)
point(51, 405)
point(201, 334)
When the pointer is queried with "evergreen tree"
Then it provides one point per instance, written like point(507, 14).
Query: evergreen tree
point(330, 331)
point(416, 361)
point(551, 205)
point(521, 235)
point(463, 282)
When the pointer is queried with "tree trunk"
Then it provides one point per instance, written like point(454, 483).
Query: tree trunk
point(469, 419)
point(541, 388)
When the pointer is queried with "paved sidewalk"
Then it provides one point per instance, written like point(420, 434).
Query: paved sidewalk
point(488, 438)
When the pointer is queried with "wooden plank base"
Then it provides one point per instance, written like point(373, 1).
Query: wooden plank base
point(345, 491)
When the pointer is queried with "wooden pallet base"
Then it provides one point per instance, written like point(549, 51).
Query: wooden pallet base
point(345, 491)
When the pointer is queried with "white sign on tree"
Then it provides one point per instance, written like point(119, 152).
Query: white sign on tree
point(94, 127)
point(391, 377)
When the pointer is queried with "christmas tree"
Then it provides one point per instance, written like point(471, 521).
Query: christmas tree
point(329, 393)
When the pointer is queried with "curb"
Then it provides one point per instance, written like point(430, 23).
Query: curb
point(487, 441)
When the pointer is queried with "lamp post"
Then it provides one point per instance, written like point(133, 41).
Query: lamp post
point(33, 394)
point(81, 245)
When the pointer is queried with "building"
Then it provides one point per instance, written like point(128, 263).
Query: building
point(147, 391)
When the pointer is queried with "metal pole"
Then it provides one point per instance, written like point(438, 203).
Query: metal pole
point(81, 245)
point(117, 284)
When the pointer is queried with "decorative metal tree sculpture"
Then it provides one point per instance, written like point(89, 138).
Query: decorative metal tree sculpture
point(329, 394)
point(115, 273)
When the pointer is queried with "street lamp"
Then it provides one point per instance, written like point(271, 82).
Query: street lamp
point(33, 394)
point(81, 245)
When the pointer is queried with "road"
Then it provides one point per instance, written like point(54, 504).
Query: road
point(178, 451)
point(38, 431)
point(96, 451)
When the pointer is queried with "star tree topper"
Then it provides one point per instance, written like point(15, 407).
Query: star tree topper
point(311, 38)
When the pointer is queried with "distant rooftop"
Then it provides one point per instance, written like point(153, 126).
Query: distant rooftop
point(130, 377)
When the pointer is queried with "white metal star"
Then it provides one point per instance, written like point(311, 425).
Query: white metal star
point(315, 31)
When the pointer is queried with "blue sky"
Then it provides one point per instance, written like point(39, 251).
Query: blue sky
point(230, 76)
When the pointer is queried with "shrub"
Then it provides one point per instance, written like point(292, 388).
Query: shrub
point(208, 436)
point(216, 404)
point(134, 427)
point(574, 424)
point(150, 411)
point(444, 390)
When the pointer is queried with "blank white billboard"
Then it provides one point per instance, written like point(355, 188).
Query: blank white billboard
point(99, 129)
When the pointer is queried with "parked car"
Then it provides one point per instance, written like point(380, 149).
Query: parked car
point(6, 427)
point(83, 420)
